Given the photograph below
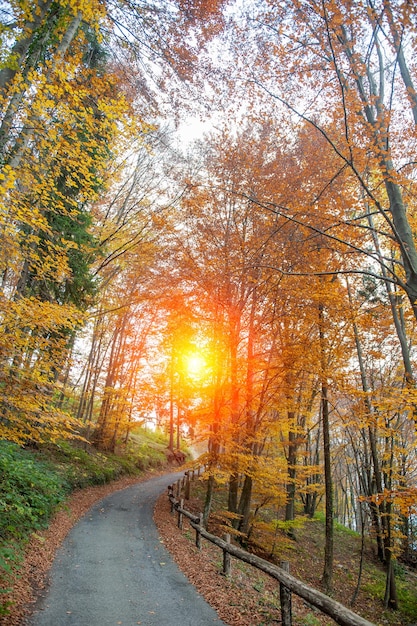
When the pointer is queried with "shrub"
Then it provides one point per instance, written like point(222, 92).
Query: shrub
point(30, 490)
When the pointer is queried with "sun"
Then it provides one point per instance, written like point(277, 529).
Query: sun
point(195, 365)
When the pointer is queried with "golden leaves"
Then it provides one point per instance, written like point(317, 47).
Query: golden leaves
point(61, 131)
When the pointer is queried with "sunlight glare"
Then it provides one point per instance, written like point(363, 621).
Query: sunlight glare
point(195, 365)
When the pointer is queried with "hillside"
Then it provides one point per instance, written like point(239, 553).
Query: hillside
point(251, 598)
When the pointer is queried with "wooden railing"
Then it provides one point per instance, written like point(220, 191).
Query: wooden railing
point(288, 584)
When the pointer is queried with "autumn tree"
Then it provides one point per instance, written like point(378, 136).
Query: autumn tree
point(329, 67)
point(228, 256)
point(55, 147)
point(67, 99)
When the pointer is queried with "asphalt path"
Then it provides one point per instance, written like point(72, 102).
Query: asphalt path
point(113, 569)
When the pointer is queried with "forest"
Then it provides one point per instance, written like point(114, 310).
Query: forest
point(208, 224)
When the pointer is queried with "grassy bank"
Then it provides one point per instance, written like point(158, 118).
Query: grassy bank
point(34, 483)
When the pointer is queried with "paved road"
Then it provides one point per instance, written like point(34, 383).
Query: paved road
point(112, 569)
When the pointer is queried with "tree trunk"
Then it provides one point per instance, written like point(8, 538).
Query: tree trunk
point(291, 471)
point(245, 505)
point(23, 44)
point(234, 418)
point(375, 484)
point(16, 152)
point(328, 549)
point(311, 498)
point(245, 501)
point(405, 73)
point(376, 118)
point(391, 599)
point(104, 433)
point(208, 500)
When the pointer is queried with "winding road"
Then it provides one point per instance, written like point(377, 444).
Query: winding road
point(113, 569)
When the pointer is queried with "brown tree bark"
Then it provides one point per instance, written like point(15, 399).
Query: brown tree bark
point(329, 526)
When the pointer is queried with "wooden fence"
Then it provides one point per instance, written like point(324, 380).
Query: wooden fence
point(288, 584)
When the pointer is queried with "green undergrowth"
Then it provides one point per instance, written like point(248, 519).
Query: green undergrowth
point(147, 447)
point(34, 483)
point(406, 591)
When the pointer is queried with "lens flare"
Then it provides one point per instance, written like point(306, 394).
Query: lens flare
point(196, 365)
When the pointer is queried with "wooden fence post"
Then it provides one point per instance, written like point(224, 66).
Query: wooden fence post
point(187, 486)
point(171, 497)
point(285, 598)
point(226, 557)
point(197, 532)
point(180, 515)
point(178, 483)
